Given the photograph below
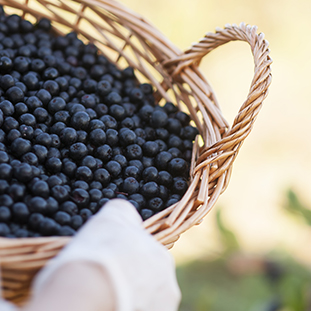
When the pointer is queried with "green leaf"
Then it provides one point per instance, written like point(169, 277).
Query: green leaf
point(294, 205)
point(228, 237)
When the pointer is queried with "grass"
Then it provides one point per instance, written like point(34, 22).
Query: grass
point(211, 285)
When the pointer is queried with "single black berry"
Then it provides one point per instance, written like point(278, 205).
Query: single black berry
point(5, 214)
point(147, 162)
point(53, 165)
point(155, 204)
point(104, 153)
point(6, 171)
point(12, 135)
point(97, 137)
point(108, 193)
point(62, 218)
point(162, 160)
point(34, 220)
point(130, 185)
point(41, 152)
point(84, 173)
point(4, 157)
point(90, 162)
point(132, 171)
point(37, 205)
point(60, 193)
point(20, 108)
point(150, 189)
point(20, 212)
point(80, 197)
point(56, 104)
point(4, 186)
point(53, 88)
point(54, 181)
point(95, 195)
point(76, 222)
point(103, 176)
point(127, 137)
point(180, 185)
point(15, 94)
point(133, 152)
point(177, 167)
point(80, 120)
point(7, 108)
point(146, 213)
point(183, 118)
point(150, 174)
point(139, 199)
point(68, 136)
point(23, 173)
point(69, 207)
point(158, 118)
point(4, 229)
point(114, 168)
point(44, 139)
point(48, 227)
point(78, 151)
point(17, 191)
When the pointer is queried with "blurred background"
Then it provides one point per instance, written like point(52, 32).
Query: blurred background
point(252, 252)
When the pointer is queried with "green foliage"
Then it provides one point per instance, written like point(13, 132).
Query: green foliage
point(295, 287)
point(294, 205)
point(228, 238)
point(282, 283)
point(209, 285)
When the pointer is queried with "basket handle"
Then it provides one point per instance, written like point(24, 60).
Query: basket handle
point(242, 125)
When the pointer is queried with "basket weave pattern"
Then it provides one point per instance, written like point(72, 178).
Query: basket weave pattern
point(128, 40)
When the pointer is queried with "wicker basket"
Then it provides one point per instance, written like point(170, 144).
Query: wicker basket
point(127, 39)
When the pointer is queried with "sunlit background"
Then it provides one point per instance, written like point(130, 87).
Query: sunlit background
point(258, 255)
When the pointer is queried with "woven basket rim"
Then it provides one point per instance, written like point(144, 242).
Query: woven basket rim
point(152, 54)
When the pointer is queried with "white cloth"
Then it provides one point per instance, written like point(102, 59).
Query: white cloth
point(141, 271)
point(6, 306)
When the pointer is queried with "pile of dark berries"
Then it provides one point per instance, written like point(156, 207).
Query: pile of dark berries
point(75, 131)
